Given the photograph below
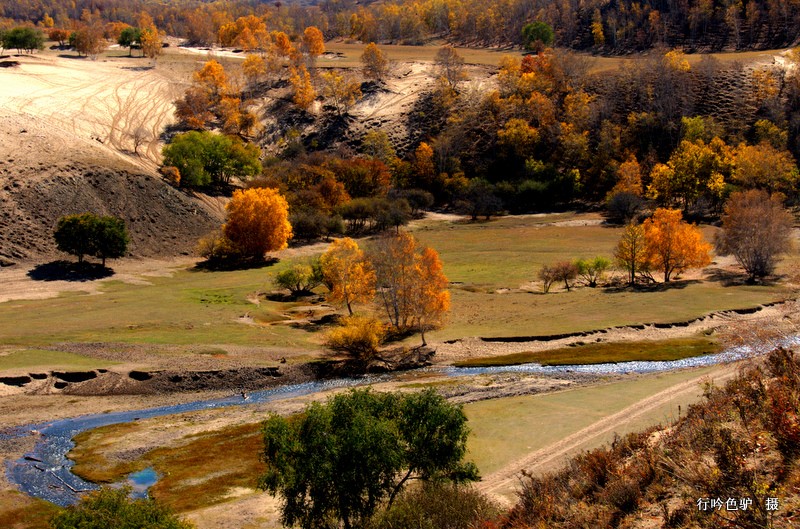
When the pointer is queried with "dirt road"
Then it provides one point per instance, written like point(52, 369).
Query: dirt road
point(500, 484)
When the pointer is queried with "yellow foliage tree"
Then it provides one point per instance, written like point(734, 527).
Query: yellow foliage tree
point(629, 178)
point(673, 245)
point(358, 336)
point(254, 69)
point(763, 166)
point(150, 41)
point(375, 64)
point(430, 292)
point(423, 166)
point(313, 42)
point(413, 288)
point(304, 93)
point(348, 274)
point(630, 254)
point(258, 221)
point(343, 90)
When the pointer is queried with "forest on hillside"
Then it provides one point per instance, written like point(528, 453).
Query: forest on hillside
point(600, 25)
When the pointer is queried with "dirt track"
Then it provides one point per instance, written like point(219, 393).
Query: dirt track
point(500, 484)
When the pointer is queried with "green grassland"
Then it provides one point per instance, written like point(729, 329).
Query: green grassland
point(26, 358)
point(600, 353)
point(504, 430)
point(487, 263)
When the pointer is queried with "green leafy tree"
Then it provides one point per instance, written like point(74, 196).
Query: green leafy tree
point(592, 270)
point(335, 464)
point(89, 234)
point(73, 234)
point(204, 158)
point(300, 278)
point(537, 35)
point(111, 508)
point(23, 39)
point(130, 37)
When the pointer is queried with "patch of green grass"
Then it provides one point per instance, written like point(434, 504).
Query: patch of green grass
point(28, 358)
point(196, 473)
point(601, 353)
point(503, 430)
point(489, 262)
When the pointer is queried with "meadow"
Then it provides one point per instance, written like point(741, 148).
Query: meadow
point(491, 266)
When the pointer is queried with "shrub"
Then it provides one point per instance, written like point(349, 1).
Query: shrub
point(438, 506)
point(358, 336)
point(111, 508)
point(300, 278)
point(548, 276)
point(592, 270)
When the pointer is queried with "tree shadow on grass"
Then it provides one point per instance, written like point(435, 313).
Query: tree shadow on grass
point(652, 287)
point(230, 265)
point(69, 271)
point(728, 278)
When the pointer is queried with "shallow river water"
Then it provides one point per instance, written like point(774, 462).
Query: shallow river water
point(46, 473)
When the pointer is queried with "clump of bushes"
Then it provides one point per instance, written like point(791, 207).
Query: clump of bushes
point(740, 443)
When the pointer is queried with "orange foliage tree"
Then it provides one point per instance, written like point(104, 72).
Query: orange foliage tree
point(304, 93)
point(258, 221)
point(412, 287)
point(348, 274)
point(674, 245)
point(313, 43)
point(375, 64)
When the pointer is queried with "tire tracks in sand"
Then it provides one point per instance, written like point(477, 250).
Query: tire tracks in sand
point(499, 483)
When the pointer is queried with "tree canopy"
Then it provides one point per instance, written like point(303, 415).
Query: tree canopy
point(257, 221)
point(756, 229)
point(90, 234)
point(204, 158)
point(23, 39)
point(336, 463)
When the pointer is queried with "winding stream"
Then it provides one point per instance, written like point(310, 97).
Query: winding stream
point(46, 472)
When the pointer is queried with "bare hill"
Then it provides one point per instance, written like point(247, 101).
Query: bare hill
point(66, 147)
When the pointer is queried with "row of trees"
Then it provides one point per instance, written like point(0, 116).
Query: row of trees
point(756, 230)
point(593, 24)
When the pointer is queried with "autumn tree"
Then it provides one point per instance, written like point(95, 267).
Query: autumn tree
point(151, 42)
point(88, 41)
point(411, 287)
point(756, 230)
point(375, 65)
point(763, 166)
point(313, 43)
point(673, 245)
point(304, 93)
point(58, 35)
point(257, 221)
point(358, 336)
point(631, 252)
point(341, 89)
point(449, 66)
point(348, 274)
point(694, 169)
